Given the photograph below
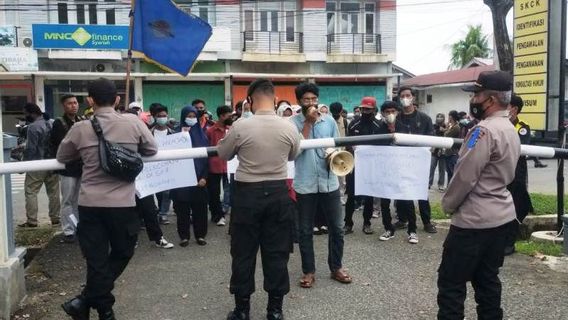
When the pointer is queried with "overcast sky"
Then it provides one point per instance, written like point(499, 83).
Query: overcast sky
point(427, 28)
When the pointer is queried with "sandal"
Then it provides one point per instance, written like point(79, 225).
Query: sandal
point(307, 280)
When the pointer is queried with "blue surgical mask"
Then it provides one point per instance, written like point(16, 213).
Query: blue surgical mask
point(162, 121)
point(191, 121)
point(247, 114)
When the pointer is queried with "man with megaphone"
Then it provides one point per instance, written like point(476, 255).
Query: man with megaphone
point(367, 124)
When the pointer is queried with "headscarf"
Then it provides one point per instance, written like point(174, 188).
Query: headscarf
point(198, 140)
point(283, 107)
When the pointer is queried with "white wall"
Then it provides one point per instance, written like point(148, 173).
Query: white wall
point(444, 100)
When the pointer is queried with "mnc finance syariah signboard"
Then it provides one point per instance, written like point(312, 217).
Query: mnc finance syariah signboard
point(68, 36)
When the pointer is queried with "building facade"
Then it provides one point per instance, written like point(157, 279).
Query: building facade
point(346, 47)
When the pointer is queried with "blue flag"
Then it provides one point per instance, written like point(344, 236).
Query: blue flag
point(167, 35)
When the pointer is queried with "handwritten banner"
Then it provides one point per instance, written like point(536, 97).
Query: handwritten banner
point(399, 173)
point(166, 175)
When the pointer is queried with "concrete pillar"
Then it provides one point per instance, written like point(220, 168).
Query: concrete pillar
point(12, 285)
point(229, 92)
point(389, 87)
point(39, 92)
point(139, 92)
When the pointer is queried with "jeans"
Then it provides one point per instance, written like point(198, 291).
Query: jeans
point(107, 237)
point(146, 208)
point(307, 206)
point(472, 255)
point(439, 162)
point(164, 202)
point(403, 208)
point(69, 203)
point(226, 194)
point(451, 162)
point(32, 185)
point(262, 218)
point(214, 188)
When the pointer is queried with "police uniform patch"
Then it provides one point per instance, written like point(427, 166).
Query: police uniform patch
point(523, 131)
point(474, 137)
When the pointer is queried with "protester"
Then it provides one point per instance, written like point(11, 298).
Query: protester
point(161, 129)
point(367, 124)
point(391, 124)
point(190, 203)
point(202, 114)
point(315, 183)
point(38, 148)
point(108, 222)
point(452, 153)
point(281, 103)
point(356, 112)
point(323, 109)
point(481, 207)
point(337, 112)
point(262, 213)
point(415, 122)
point(518, 188)
point(218, 166)
point(285, 110)
point(70, 178)
point(438, 157)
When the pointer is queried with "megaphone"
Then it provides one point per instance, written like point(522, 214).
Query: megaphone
point(340, 162)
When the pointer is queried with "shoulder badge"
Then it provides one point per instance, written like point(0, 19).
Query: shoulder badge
point(474, 137)
point(523, 131)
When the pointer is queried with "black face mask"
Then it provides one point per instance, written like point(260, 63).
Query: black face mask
point(228, 122)
point(476, 109)
point(335, 115)
point(367, 116)
point(29, 118)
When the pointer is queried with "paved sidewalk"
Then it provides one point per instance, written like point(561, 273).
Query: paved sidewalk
point(392, 280)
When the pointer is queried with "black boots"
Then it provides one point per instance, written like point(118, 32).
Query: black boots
point(106, 315)
point(77, 308)
point(274, 309)
point(242, 309)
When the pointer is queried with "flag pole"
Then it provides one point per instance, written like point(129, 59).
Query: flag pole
point(129, 57)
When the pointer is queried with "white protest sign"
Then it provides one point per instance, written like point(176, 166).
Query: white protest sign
point(166, 175)
point(233, 164)
point(389, 172)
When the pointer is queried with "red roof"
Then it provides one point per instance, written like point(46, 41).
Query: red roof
point(448, 77)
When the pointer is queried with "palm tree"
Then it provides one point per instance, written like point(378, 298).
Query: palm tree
point(475, 45)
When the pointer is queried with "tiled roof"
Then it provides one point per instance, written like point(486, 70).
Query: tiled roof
point(448, 77)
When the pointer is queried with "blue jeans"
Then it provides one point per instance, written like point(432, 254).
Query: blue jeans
point(307, 208)
point(451, 162)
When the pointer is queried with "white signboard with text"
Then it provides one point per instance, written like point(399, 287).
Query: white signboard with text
point(389, 172)
point(170, 174)
point(18, 59)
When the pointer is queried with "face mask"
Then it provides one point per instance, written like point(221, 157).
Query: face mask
point(247, 114)
point(191, 121)
point(391, 118)
point(335, 116)
point(162, 121)
point(367, 116)
point(228, 122)
point(406, 102)
point(151, 121)
point(440, 120)
point(357, 114)
point(476, 109)
point(29, 119)
point(464, 122)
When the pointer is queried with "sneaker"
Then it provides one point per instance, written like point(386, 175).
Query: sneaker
point(540, 165)
point(399, 225)
point(430, 228)
point(27, 225)
point(348, 229)
point(164, 244)
point(201, 241)
point(69, 238)
point(184, 243)
point(323, 229)
point(222, 222)
point(387, 236)
point(367, 229)
point(413, 238)
point(163, 219)
point(317, 231)
point(375, 215)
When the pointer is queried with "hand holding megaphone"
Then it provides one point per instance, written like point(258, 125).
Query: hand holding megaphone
point(340, 162)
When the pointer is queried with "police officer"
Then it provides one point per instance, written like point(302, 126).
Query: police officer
point(482, 208)
point(518, 187)
point(262, 212)
point(365, 125)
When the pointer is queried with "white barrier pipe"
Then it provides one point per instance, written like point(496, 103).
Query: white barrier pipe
point(397, 139)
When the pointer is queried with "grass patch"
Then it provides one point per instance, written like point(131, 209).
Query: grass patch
point(33, 237)
point(545, 203)
point(532, 248)
point(437, 212)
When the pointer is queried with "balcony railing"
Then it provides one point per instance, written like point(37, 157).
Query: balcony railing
point(273, 42)
point(353, 43)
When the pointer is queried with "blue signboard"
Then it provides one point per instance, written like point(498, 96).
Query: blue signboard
point(69, 36)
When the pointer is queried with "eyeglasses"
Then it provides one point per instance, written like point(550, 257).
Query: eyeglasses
point(311, 99)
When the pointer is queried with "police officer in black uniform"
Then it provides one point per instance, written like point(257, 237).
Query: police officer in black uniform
point(518, 187)
point(365, 125)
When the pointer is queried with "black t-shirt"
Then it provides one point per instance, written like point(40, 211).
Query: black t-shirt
point(416, 123)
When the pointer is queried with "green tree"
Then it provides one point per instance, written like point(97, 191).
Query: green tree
point(475, 45)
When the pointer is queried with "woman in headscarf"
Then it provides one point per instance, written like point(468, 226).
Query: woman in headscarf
point(192, 201)
point(284, 110)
